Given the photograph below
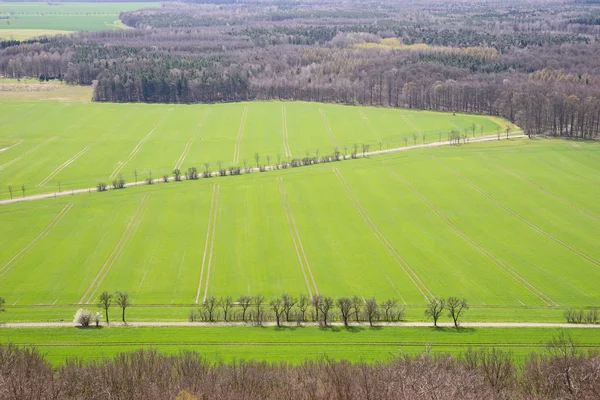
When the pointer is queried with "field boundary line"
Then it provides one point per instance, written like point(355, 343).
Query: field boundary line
point(289, 216)
point(515, 214)
point(412, 125)
point(19, 158)
point(474, 244)
point(328, 127)
point(238, 139)
point(370, 125)
point(189, 144)
point(80, 153)
point(543, 189)
point(137, 148)
point(412, 275)
point(208, 230)
point(286, 144)
point(114, 255)
point(212, 241)
point(17, 257)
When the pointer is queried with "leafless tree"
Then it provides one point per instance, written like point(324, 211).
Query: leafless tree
point(325, 308)
point(434, 309)
point(210, 305)
point(177, 174)
point(288, 303)
point(258, 305)
point(122, 301)
point(387, 307)
point(456, 307)
point(104, 302)
point(226, 304)
point(257, 159)
point(371, 310)
point(357, 305)
point(303, 304)
point(244, 302)
point(277, 306)
point(345, 306)
point(10, 191)
point(316, 303)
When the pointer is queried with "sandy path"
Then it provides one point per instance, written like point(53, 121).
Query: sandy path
point(268, 168)
point(364, 324)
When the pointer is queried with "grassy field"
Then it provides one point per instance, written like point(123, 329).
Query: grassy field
point(26, 20)
point(285, 344)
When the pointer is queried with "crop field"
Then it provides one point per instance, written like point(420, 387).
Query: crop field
point(24, 20)
point(289, 344)
point(511, 225)
point(79, 145)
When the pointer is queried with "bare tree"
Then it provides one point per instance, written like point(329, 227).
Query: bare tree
point(277, 305)
point(258, 304)
point(434, 309)
point(316, 303)
point(122, 300)
point(104, 302)
point(325, 308)
point(387, 307)
point(244, 302)
point(10, 191)
point(257, 159)
point(210, 305)
point(371, 310)
point(2, 303)
point(345, 306)
point(303, 304)
point(23, 190)
point(226, 304)
point(405, 141)
point(177, 174)
point(288, 303)
point(456, 307)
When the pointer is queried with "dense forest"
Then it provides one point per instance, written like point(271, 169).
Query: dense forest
point(532, 62)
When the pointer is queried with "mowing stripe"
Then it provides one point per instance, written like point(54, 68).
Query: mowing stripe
point(10, 147)
point(114, 255)
point(238, 139)
point(137, 148)
point(412, 275)
point(80, 153)
point(14, 160)
point(302, 259)
point(286, 144)
point(212, 241)
point(370, 125)
point(481, 249)
point(208, 230)
point(530, 224)
point(328, 127)
point(548, 192)
point(409, 122)
point(188, 145)
point(11, 263)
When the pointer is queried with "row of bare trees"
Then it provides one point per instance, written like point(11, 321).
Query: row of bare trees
point(560, 371)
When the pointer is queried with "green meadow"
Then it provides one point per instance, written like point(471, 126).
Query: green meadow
point(23, 20)
point(291, 344)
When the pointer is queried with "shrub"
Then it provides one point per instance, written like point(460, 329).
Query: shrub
point(84, 318)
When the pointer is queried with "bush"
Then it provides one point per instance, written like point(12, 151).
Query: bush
point(101, 187)
point(84, 318)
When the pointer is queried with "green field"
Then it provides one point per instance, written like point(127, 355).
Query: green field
point(285, 344)
point(25, 20)
point(511, 225)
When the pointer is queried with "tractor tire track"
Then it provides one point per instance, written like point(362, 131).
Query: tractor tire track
point(328, 127)
point(240, 135)
point(291, 222)
point(10, 147)
point(286, 144)
point(114, 255)
point(11, 263)
point(370, 125)
point(208, 231)
point(212, 242)
point(515, 214)
point(14, 160)
point(188, 145)
point(412, 125)
point(543, 189)
point(478, 247)
point(137, 148)
point(80, 153)
point(384, 241)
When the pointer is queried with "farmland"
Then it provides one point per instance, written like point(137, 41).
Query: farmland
point(24, 20)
